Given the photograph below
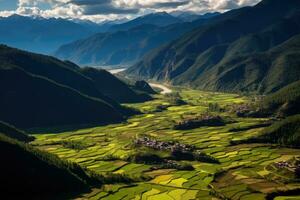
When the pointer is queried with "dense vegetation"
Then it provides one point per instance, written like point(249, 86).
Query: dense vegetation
point(285, 101)
point(30, 173)
point(196, 122)
point(285, 133)
point(248, 49)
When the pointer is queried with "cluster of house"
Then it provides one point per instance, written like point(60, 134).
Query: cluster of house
point(282, 164)
point(287, 165)
point(164, 146)
point(240, 109)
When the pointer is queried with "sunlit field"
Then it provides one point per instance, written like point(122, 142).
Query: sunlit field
point(245, 171)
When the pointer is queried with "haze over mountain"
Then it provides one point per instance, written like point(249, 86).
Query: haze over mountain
point(43, 35)
point(128, 42)
point(248, 49)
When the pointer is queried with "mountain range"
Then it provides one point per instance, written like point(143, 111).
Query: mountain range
point(42, 35)
point(241, 50)
point(160, 19)
point(127, 43)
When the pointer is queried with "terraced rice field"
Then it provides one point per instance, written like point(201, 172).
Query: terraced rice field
point(241, 174)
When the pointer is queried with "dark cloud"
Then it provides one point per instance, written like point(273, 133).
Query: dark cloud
point(228, 5)
point(90, 2)
point(108, 9)
point(170, 4)
point(94, 7)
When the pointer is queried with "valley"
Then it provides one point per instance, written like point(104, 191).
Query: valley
point(150, 100)
point(244, 171)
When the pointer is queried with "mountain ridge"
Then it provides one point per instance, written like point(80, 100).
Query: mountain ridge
point(172, 61)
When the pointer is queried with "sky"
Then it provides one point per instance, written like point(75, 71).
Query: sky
point(100, 10)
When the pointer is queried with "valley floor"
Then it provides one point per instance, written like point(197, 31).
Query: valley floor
point(244, 171)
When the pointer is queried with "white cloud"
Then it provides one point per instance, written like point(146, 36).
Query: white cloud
point(98, 10)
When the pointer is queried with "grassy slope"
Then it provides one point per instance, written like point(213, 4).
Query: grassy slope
point(34, 101)
point(49, 67)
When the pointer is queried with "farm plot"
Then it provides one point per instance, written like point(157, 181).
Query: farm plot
point(242, 171)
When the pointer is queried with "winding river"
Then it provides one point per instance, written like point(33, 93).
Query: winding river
point(164, 89)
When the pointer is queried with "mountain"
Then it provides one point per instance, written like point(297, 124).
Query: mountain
point(122, 47)
point(35, 101)
point(112, 87)
point(143, 86)
point(158, 19)
point(42, 35)
point(49, 92)
point(241, 50)
point(31, 174)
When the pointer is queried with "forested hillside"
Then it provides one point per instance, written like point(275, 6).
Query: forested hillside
point(248, 49)
point(41, 91)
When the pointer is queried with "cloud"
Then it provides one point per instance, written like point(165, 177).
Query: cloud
point(174, 4)
point(99, 10)
point(94, 7)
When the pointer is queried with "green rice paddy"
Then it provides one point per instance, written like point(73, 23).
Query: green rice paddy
point(242, 173)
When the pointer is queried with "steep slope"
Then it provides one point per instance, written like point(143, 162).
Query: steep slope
point(260, 72)
point(285, 133)
point(14, 133)
point(31, 174)
point(113, 87)
point(122, 47)
point(35, 101)
point(65, 73)
point(208, 72)
point(61, 72)
point(286, 101)
point(158, 19)
point(40, 34)
point(225, 39)
point(143, 86)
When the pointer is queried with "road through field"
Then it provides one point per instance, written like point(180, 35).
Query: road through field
point(165, 89)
